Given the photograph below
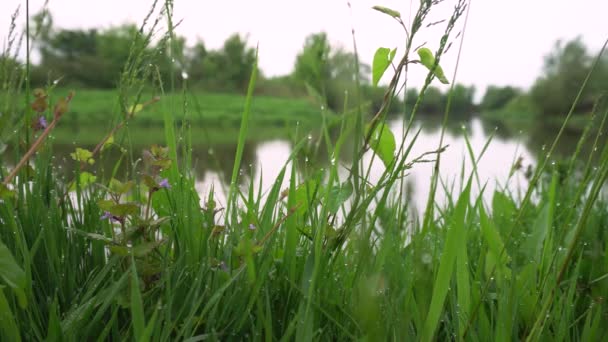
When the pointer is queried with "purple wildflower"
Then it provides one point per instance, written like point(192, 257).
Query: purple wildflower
point(252, 226)
point(108, 216)
point(42, 122)
point(164, 183)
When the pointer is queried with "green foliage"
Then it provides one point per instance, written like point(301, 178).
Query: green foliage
point(225, 69)
point(312, 64)
point(382, 142)
point(428, 60)
point(565, 70)
point(331, 73)
point(497, 97)
point(335, 256)
point(12, 274)
point(382, 59)
point(387, 11)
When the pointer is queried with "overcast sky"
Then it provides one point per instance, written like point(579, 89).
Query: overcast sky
point(504, 42)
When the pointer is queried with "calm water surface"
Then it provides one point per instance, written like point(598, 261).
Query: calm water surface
point(265, 156)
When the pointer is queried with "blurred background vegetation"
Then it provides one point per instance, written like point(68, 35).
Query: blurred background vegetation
point(94, 58)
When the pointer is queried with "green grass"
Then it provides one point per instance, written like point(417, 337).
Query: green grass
point(323, 258)
point(91, 107)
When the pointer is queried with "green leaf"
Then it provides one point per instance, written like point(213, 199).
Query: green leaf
point(61, 107)
point(105, 205)
point(137, 304)
point(119, 250)
point(108, 143)
point(119, 187)
point(338, 195)
point(84, 179)
point(145, 248)
point(82, 155)
point(496, 254)
point(119, 210)
point(382, 59)
point(124, 209)
point(12, 274)
point(8, 325)
point(133, 109)
point(6, 193)
point(54, 332)
point(150, 182)
point(388, 11)
point(92, 236)
point(305, 194)
point(382, 142)
point(453, 243)
point(428, 60)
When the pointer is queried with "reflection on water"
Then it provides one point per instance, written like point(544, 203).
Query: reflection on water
point(265, 155)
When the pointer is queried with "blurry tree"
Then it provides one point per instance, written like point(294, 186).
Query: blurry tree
point(227, 69)
point(433, 101)
point(196, 58)
point(462, 99)
point(497, 97)
point(312, 63)
point(564, 72)
point(87, 57)
point(238, 61)
point(332, 72)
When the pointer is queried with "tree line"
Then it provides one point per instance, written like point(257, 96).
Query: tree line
point(556, 89)
point(95, 58)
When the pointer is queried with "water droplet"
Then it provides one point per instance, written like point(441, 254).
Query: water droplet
point(55, 82)
point(184, 75)
point(427, 258)
point(310, 137)
point(210, 150)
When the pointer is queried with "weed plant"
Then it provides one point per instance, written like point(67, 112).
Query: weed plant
point(91, 257)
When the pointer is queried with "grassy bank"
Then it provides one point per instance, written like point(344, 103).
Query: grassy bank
point(146, 257)
point(94, 107)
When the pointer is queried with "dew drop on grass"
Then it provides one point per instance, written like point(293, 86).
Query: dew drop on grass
point(185, 75)
point(210, 150)
point(309, 137)
point(427, 258)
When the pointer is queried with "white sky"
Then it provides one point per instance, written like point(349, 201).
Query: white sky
point(505, 40)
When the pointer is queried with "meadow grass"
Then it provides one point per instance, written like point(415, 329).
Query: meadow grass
point(92, 107)
point(326, 258)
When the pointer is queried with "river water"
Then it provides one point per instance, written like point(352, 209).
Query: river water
point(264, 156)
